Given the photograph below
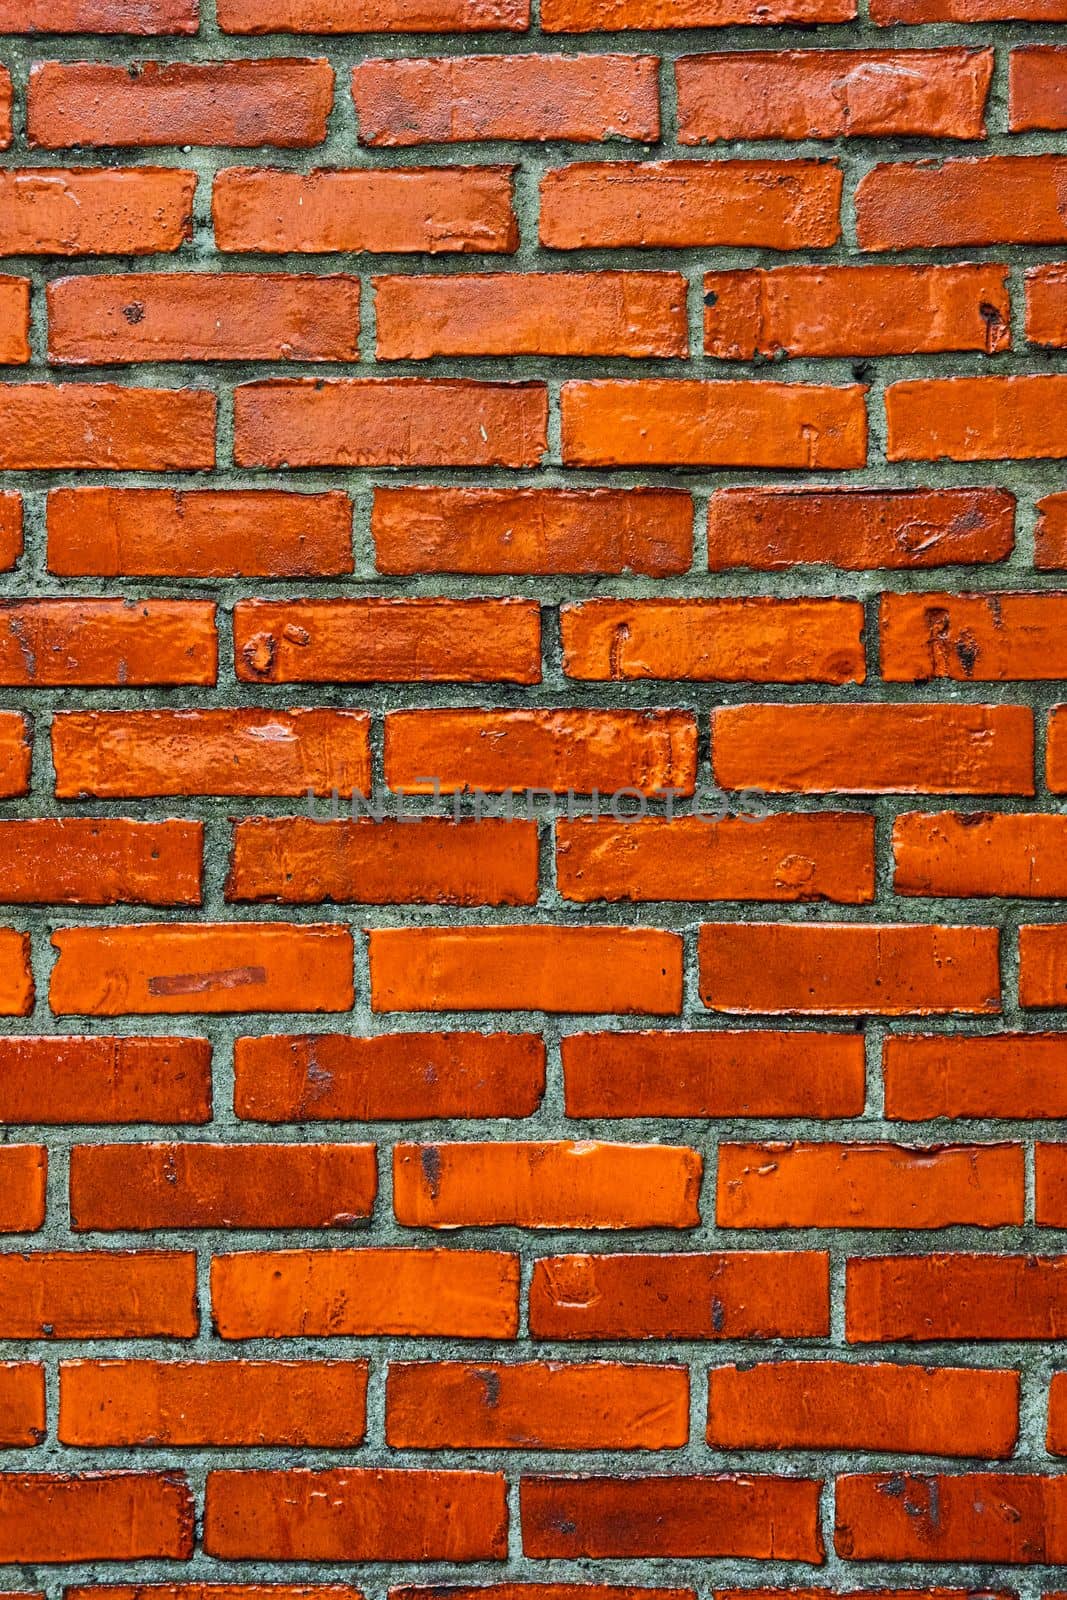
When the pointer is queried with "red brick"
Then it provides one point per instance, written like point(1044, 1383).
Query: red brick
point(112, 754)
point(874, 749)
point(645, 531)
point(735, 1295)
point(848, 969)
point(94, 211)
point(537, 1591)
point(664, 422)
point(47, 426)
point(352, 1515)
point(453, 99)
point(758, 640)
point(6, 98)
point(376, 640)
point(52, 1081)
point(1042, 964)
point(830, 94)
point(23, 1177)
point(412, 209)
point(99, 16)
point(373, 16)
point(1037, 88)
point(992, 200)
point(461, 1294)
point(100, 862)
point(16, 979)
point(997, 1075)
point(15, 320)
point(776, 205)
point(532, 313)
point(1046, 304)
point(885, 12)
point(564, 1185)
point(400, 422)
point(870, 1186)
point(934, 1297)
point(96, 1516)
point(1057, 1418)
point(839, 1405)
point(632, 971)
point(212, 1402)
point(15, 751)
point(236, 103)
point(722, 1515)
point(391, 1077)
point(174, 968)
point(135, 1188)
point(1050, 1174)
point(858, 528)
point(1014, 1518)
point(23, 1419)
point(11, 530)
point(1050, 533)
point(591, 16)
point(540, 1405)
point(230, 1591)
point(295, 861)
point(811, 856)
point(196, 316)
point(79, 643)
point(202, 533)
point(84, 1294)
point(855, 311)
point(1056, 754)
point(991, 637)
point(971, 853)
point(977, 419)
point(531, 749)
point(722, 1074)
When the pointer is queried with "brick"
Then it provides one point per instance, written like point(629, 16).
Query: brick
point(95, 211)
point(212, 1402)
point(563, 1185)
point(885, 12)
point(632, 971)
point(84, 1294)
point(969, 853)
point(996, 1075)
point(841, 1405)
point(16, 978)
point(460, 1294)
point(228, 1591)
point(721, 1074)
point(14, 320)
point(52, 1081)
point(992, 200)
point(373, 16)
point(775, 205)
point(135, 1188)
point(294, 861)
point(1050, 1175)
point(336, 1077)
point(192, 316)
point(353, 1515)
point(1057, 1432)
point(662, 422)
point(236, 103)
point(23, 1176)
point(532, 749)
point(412, 209)
point(454, 99)
point(100, 861)
point(1042, 964)
point(23, 1419)
point(874, 749)
point(400, 422)
point(855, 311)
point(721, 1515)
point(200, 533)
point(112, 754)
point(858, 529)
point(1056, 754)
point(977, 419)
point(539, 1405)
point(637, 314)
point(757, 640)
point(591, 16)
point(214, 967)
point(376, 640)
point(1046, 305)
point(922, 1298)
point(79, 643)
point(1050, 533)
point(791, 857)
point(95, 1516)
point(6, 100)
point(49, 427)
point(992, 637)
point(542, 1591)
point(870, 1186)
point(15, 752)
point(1014, 1518)
point(10, 530)
point(830, 94)
point(99, 16)
point(1037, 88)
point(536, 531)
point(848, 969)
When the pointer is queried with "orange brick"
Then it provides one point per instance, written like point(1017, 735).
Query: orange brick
point(987, 1517)
point(52, 1081)
point(994, 200)
point(389, 1077)
point(99, 16)
point(23, 1178)
point(1050, 1182)
point(183, 967)
point(1037, 88)
point(373, 16)
point(977, 419)
point(15, 751)
point(590, 16)
point(980, 853)
point(885, 12)
point(111, 754)
point(401, 641)
point(100, 861)
point(197, 316)
point(212, 1402)
point(532, 313)
point(1042, 964)
point(95, 1516)
point(16, 978)
point(83, 1294)
point(79, 643)
point(1046, 305)
point(95, 211)
point(23, 1419)
point(540, 1405)
point(10, 530)
point(1057, 1422)
point(49, 426)
point(992, 637)
point(995, 1075)
point(933, 1297)
point(1050, 533)
point(15, 320)
point(632, 971)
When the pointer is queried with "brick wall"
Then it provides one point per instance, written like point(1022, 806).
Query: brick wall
point(640, 1178)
